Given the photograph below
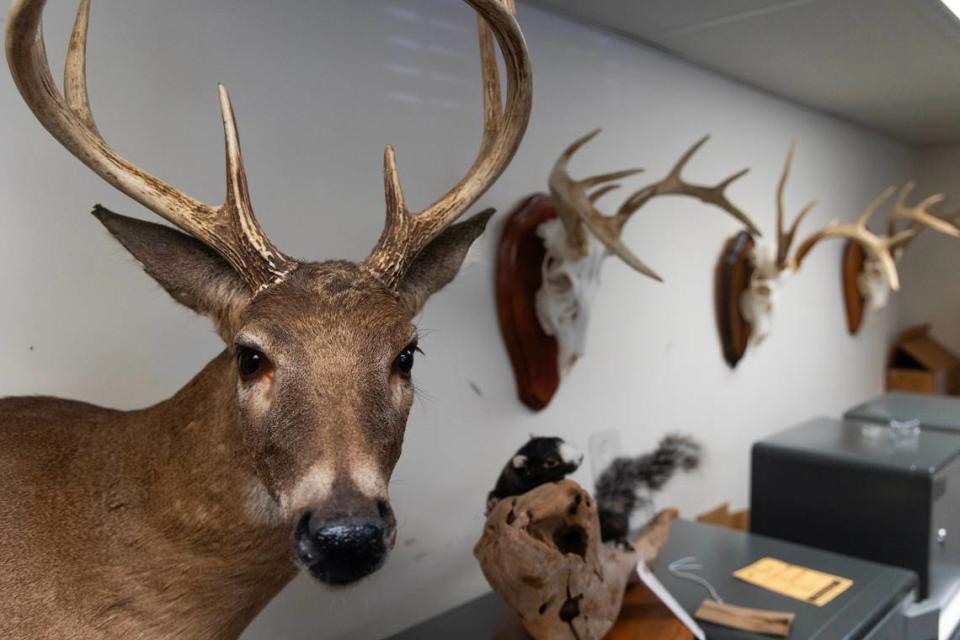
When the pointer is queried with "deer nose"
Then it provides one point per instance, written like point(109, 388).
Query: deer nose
point(343, 550)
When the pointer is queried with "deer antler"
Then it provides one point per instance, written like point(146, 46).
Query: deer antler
point(918, 216)
point(877, 248)
point(405, 232)
point(576, 206)
point(785, 238)
point(230, 229)
point(576, 209)
point(674, 185)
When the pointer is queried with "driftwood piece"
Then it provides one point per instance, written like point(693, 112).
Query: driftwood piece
point(533, 354)
point(771, 623)
point(542, 553)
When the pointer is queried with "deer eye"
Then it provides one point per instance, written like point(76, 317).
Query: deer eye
point(404, 361)
point(251, 363)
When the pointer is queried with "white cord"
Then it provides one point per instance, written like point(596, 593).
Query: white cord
point(682, 569)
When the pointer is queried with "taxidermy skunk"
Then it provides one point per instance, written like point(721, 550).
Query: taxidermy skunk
point(618, 487)
point(538, 462)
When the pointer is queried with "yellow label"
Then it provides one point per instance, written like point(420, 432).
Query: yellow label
point(800, 583)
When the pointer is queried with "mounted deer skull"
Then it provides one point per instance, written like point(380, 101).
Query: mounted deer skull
point(872, 281)
point(186, 518)
point(768, 265)
point(581, 237)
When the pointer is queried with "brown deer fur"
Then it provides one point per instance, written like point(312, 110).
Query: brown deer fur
point(175, 521)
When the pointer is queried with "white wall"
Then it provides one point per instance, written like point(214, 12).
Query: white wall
point(320, 88)
point(931, 291)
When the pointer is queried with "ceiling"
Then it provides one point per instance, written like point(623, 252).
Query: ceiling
point(891, 65)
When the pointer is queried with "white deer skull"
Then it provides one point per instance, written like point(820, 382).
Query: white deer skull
point(570, 284)
point(874, 282)
point(759, 300)
point(873, 285)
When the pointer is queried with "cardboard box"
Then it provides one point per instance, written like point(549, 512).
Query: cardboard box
point(920, 364)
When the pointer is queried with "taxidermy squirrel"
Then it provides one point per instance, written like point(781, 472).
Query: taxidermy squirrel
point(538, 462)
point(618, 487)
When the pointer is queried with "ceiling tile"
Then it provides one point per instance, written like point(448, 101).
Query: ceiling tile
point(651, 18)
point(887, 64)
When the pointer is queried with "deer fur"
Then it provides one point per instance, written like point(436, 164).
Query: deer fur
point(175, 520)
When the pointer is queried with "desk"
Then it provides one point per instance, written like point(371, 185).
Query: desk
point(864, 611)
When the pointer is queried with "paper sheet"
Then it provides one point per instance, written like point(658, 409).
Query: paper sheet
point(800, 583)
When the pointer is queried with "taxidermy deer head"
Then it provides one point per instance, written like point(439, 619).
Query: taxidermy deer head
point(873, 282)
point(305, 411)
point(581, 237)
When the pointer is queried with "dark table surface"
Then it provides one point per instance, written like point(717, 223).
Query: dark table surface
point(876, 590)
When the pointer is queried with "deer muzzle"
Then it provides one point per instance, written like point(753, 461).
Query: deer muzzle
point(342, 549)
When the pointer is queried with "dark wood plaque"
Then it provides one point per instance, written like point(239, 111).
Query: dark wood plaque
point(732, 278)
point(533, 353)
point(853, 259)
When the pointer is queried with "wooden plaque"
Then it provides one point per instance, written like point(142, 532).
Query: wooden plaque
point(732, 278)
point(853, 259)
point(533, 353)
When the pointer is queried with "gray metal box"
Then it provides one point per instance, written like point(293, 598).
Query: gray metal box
point(931, 411)
point(853, 488)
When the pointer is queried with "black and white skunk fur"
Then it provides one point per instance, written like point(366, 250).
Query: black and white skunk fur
point(538, 462)
point(618, 487)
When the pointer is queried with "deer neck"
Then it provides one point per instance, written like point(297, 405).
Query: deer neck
point(218, 550)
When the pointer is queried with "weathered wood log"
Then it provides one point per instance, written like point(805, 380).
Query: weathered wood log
point(542, 553)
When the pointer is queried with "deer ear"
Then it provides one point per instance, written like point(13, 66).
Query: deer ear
point(438, 263)
point(192, 273)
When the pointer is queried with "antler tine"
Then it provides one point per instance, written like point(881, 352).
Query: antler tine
point(568, 195)
point(901, 201)
point(674, 184)
point(405, 233)
point(611, 240)
point(868, 212)
point(785, 238)
point(789, 236)
point(602, 191)
point(593, 181)
point(229, 229)
point(874, 204)
point(919, 214)
point(75, 69)
point(783, 249)
point(576, 210)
